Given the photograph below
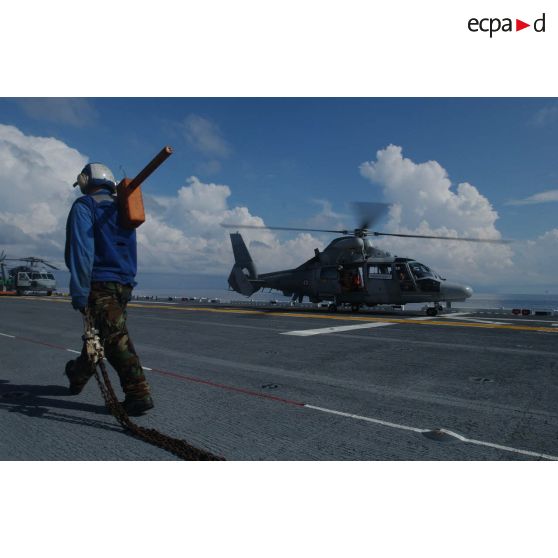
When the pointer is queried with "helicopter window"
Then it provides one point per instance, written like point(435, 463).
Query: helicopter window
point(402, 272)
point(50, 276)
point(420, 271)
point(35, 276)
point(23, 276)
point(405, 280)
point(44, 276)
point(328, 273)
point(379, 271)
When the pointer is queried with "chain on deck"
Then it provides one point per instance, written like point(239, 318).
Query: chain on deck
point(178, 447)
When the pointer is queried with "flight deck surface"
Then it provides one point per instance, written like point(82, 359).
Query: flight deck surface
point(271, 383)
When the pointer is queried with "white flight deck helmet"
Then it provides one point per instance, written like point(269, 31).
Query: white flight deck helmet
point(94, 175)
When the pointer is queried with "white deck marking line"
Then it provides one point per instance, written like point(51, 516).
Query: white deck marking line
point(476, 320)
point(424, 430)
point(400, 426)
point(456, 314)
point(321, 330)
point(367, 419)
point(502, 317)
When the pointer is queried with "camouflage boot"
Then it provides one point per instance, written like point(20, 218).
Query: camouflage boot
point(78, 374)
point(137, 406)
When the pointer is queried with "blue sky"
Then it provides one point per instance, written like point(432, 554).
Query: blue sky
point(286, 152)
point(277, 157)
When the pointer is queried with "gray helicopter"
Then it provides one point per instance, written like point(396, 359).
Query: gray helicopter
point(33, 277)
point(351, 271)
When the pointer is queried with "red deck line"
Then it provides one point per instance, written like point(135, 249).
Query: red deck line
point(227, 387)
point(184, 378)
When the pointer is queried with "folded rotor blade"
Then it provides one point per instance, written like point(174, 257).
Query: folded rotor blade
point(230, 226)
point(464, 239)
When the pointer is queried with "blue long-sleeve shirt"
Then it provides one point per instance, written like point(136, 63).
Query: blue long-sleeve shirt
point(97, 247)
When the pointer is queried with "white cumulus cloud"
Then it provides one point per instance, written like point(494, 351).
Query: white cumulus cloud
point(184, 233)
point(36, 174)
point(424, 201)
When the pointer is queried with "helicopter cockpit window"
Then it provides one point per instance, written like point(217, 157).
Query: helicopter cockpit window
point(420, 271)
point(405, 280)
point(44, 276)
point(36, 276)
point(50, 276)
point(380, 271)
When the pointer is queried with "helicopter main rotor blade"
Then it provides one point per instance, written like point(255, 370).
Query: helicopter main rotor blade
point(229, 226)
point(369, 214)
point(460, 238)
point(31, 260)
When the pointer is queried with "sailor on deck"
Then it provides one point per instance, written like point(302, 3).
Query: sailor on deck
point(101, 257)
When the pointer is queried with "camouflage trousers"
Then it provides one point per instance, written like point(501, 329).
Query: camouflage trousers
point(107, 304)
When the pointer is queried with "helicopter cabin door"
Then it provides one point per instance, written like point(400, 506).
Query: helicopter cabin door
point(380, 283)
point(23, 280)
point(329, 281)
point(350, 278)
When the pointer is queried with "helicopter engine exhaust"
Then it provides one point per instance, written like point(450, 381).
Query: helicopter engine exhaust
point(243, 269)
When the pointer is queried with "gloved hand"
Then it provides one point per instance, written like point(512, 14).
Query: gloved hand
point(79, 303)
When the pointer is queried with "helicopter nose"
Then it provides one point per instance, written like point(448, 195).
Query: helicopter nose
point(452, 291)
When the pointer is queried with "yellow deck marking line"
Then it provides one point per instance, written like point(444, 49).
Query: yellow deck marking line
point(351, 318)
point(325, 316)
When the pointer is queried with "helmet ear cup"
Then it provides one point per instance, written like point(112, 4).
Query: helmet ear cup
point(82, 181)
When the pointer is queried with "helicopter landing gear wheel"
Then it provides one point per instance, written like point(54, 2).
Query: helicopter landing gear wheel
point(355, 307)
point(432, 311)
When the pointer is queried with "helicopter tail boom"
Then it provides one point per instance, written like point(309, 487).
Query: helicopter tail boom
point(243, 274)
